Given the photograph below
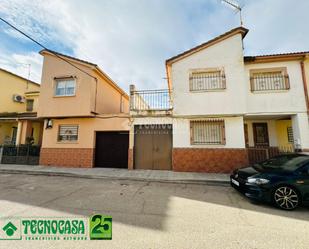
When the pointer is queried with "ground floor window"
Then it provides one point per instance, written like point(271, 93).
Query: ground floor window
point(68, 133)
point(207, 132)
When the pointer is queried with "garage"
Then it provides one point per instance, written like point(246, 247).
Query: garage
point(111, 149)
point(153, 147)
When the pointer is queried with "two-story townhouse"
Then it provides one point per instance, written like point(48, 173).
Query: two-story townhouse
point(85, 112)
point(222, 109)
point(19, 123)
point(277, 103)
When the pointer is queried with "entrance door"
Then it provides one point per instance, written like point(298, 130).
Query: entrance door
point(153, 147)
point(260, 132)
point(112, 149)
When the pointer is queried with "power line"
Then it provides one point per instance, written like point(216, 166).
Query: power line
point(41, 45)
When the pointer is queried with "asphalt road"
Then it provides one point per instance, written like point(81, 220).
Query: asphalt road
point(153, 215)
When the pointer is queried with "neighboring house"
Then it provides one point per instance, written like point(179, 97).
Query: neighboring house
point(85, 112)
point(18, 106)
point(222, 109)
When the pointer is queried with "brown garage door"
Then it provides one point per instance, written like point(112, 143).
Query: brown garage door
point(112, 149)
point(153, 147)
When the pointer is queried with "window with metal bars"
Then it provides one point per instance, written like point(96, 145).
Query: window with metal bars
point(207, 132)
point(290, 134)
point(68, 133)
point(269, 80)
point(207, 80)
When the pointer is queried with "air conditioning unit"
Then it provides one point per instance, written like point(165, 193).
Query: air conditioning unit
point(18, 98)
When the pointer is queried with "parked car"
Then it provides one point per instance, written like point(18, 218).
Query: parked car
point(281, 180)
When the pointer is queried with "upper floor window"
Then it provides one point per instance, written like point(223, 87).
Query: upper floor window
point(65, 87)
point(211, 79)
point(29, 105)
point(207, 132)
point(68, 133)
point(269, 79)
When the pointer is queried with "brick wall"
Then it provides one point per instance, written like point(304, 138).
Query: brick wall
point(68, 157)
point(209, 160)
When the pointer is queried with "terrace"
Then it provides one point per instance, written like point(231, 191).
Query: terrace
point(150, 102)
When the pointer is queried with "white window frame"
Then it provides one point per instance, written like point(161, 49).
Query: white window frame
point(65, 81)
point(67, 126)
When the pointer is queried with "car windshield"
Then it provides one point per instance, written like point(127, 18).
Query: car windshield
point(285, 162)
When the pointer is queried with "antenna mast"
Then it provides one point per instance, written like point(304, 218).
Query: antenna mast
point(237, 7)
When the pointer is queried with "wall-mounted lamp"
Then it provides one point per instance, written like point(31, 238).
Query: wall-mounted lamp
point(49, 124)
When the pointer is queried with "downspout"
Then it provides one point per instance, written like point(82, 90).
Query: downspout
point(303, 73)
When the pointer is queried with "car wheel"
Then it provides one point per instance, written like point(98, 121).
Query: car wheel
point(286, 197)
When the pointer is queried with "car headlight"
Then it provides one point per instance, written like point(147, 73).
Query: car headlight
point(258, 181)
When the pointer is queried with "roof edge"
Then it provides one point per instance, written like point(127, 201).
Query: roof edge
point(242, 30)
point(274, 57)
point(94, 66)
point(66, 56)
point(16, 75)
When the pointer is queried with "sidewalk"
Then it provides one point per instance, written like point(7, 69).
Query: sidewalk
point(118, 174)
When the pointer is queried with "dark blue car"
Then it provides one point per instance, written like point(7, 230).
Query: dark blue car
point(282, 180)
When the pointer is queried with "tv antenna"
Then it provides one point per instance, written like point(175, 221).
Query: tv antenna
point(235, 6)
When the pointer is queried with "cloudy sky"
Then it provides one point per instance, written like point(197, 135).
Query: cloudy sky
point(131, 39)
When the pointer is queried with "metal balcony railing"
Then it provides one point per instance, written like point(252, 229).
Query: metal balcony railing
point(150, 100)
point(269, 82)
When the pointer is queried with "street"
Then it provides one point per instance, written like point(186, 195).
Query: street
point(152, 214)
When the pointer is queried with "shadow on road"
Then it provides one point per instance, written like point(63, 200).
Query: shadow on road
point(141, 204)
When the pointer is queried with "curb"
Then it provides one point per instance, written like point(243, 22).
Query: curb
point(62, 174)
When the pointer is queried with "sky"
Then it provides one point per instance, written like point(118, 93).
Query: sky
point(131, 39)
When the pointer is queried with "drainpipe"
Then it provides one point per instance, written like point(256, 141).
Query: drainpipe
point(303, 73)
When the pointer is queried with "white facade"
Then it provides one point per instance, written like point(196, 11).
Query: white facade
point(281, 101)
point(226, 55)
point(237, 99)
point(236, 104)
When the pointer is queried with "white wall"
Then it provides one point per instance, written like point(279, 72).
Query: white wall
point(228, 54)
point(234, 133)
point(300, 124)
point(285, 101)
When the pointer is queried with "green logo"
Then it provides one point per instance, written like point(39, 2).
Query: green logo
point(9, 229)
point(100, 227)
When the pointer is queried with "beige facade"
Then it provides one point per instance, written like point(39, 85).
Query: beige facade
point(86, 131)
point(95, 104)
point(95, 92)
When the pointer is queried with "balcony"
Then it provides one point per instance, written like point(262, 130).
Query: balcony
point(148, 102)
